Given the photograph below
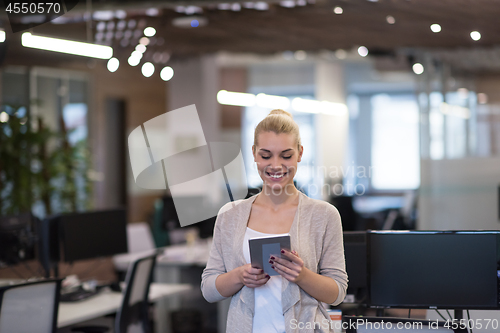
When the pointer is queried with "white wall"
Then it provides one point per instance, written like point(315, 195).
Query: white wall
point(459, 194)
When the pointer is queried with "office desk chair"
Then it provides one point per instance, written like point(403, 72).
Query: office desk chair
point(133, 313)
point(30, 307)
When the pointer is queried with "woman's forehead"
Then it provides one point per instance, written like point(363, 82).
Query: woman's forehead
point(271, 138)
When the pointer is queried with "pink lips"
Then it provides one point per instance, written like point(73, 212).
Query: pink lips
point(270, 176)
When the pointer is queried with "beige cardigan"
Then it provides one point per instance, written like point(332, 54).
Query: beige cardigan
point(316, 234)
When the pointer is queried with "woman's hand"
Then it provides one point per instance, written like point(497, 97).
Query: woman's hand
point(252, 277)
point(290, 266)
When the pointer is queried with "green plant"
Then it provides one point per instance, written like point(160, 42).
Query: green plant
point(39, 167)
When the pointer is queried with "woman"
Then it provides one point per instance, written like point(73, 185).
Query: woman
point(312, 273)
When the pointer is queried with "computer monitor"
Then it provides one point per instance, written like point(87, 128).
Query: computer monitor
point(434, 269)
point(355, 263)
point(171, 220)
point(92, 234)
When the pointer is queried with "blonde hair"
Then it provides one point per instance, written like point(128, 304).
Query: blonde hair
point(278, 121)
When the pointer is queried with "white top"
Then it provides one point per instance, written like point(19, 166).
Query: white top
point(268, 313)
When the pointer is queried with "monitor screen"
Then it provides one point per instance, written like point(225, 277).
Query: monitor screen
point(93, 234)
point(355, 263)
point(433, 269)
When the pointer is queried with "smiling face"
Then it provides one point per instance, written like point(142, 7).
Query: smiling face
point(277, 156)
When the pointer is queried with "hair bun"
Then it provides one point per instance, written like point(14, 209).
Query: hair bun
point(280, 111)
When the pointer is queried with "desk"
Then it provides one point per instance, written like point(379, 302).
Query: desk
point(168, 270)
point(107, 302)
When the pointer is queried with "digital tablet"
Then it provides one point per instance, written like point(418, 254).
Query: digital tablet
point(262, 248)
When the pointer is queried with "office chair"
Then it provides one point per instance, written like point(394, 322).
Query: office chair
point(30, 307)
point(133, 313)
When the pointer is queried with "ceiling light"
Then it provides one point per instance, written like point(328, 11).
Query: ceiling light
point(110, 25)
point(148, 69)
point(190, 10)
point(390, 19)
point(482, 98)
point(103, 15)
point(101, 26)
point(132, 24)
point(248, 4)
point(362, 51)
point(287, 3)
point(314, 106)
point(136, 54)
point(340, 54)
point(149, 32)
point(235, 7)
point(301, 2)
point(120, 14)
point(152, 12)
point(66, 46)
point(113, 65)
point(418, 68)
point(167, 73)
point(272, 102)
point(121, 25)
point(435, 28)
point(4, 117)
point(188, 22)
point(134, 61)
point(235, 98)
point(2, 36)
point(300, 55)
point(475, 35)
point(140, 48)
point(144, 41)
point(261, 5)
point(338, 10)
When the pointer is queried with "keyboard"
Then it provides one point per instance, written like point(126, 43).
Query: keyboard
point(78, 295)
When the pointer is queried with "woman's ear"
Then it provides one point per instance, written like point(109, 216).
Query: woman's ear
point(253, 153)
point(301, 150)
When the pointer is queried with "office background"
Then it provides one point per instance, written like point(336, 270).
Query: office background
point(421, 134)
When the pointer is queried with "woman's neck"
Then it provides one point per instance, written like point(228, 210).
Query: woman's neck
point(275, 199)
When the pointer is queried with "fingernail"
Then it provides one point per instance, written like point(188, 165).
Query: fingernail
point(267, 276)
point(272, 267)
point(282, 251)
point(272, 257)
point(271, 262)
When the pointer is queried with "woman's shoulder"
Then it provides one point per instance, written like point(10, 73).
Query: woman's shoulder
point(235, 206)
point(319, 206)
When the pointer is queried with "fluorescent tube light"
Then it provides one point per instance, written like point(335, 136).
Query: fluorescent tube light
point(272, 102)
point(313, 106)
point(2, 36)
point(235, 98)
point(66, 46)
